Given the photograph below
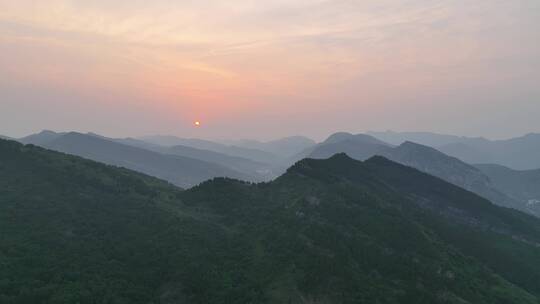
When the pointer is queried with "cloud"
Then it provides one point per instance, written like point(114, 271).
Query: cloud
point(248, 54)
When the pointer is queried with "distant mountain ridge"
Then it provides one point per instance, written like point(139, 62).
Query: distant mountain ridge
point(520, 153)
point(261, 171)
point(41, 138)
point(285, 147)
point(424, 138)
point(231, 150)
point(361, 145)
point(179, 170)
point(523, 186)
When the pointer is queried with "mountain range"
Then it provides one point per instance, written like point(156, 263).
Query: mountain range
point(520, 153)
point(284, 147)
point(179, 170)
point(198, 160)
point(423, 158)
point(231, 150)
point(424, 138)
point(261, 171)
point(334, 230)
point(520, 185)
point(359, 146)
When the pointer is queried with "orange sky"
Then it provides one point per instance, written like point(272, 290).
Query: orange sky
point(269, 68)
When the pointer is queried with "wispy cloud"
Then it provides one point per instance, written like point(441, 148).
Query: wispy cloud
point(265, 53)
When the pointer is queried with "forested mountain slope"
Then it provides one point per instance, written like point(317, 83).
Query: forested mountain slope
point(327, 231)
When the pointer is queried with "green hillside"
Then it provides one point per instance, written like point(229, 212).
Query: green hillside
point(327, 231)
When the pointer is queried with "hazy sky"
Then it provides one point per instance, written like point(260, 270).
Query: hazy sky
point(264, 69)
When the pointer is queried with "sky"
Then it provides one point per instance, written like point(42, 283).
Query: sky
point(270, 68)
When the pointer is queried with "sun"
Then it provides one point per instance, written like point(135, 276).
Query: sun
point(197, 123)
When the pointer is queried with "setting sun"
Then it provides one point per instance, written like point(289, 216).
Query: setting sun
point(197, 123)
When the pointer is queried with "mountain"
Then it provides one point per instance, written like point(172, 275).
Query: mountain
point(421, 157)
point(139, 144)
point(452, 170)
point(231, 150)
point(284, 147)
point(431, 161)
point(5, 137)
point(360, 146)
point(259, 171)
point(467, 153)
point(252, 168)
point(520, 185)
point(181, 171)
point(520, 153)
point(327, 231)
point(166, 140)
point(423, 138)
point(40, 138)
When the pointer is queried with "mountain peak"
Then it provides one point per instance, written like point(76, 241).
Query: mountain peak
point(339, 166)
point(415, 147)
point(342, 156)
point(47, 132)
point(40, 138)
point(359, 138)
point(411, 144)
point(338, 136)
